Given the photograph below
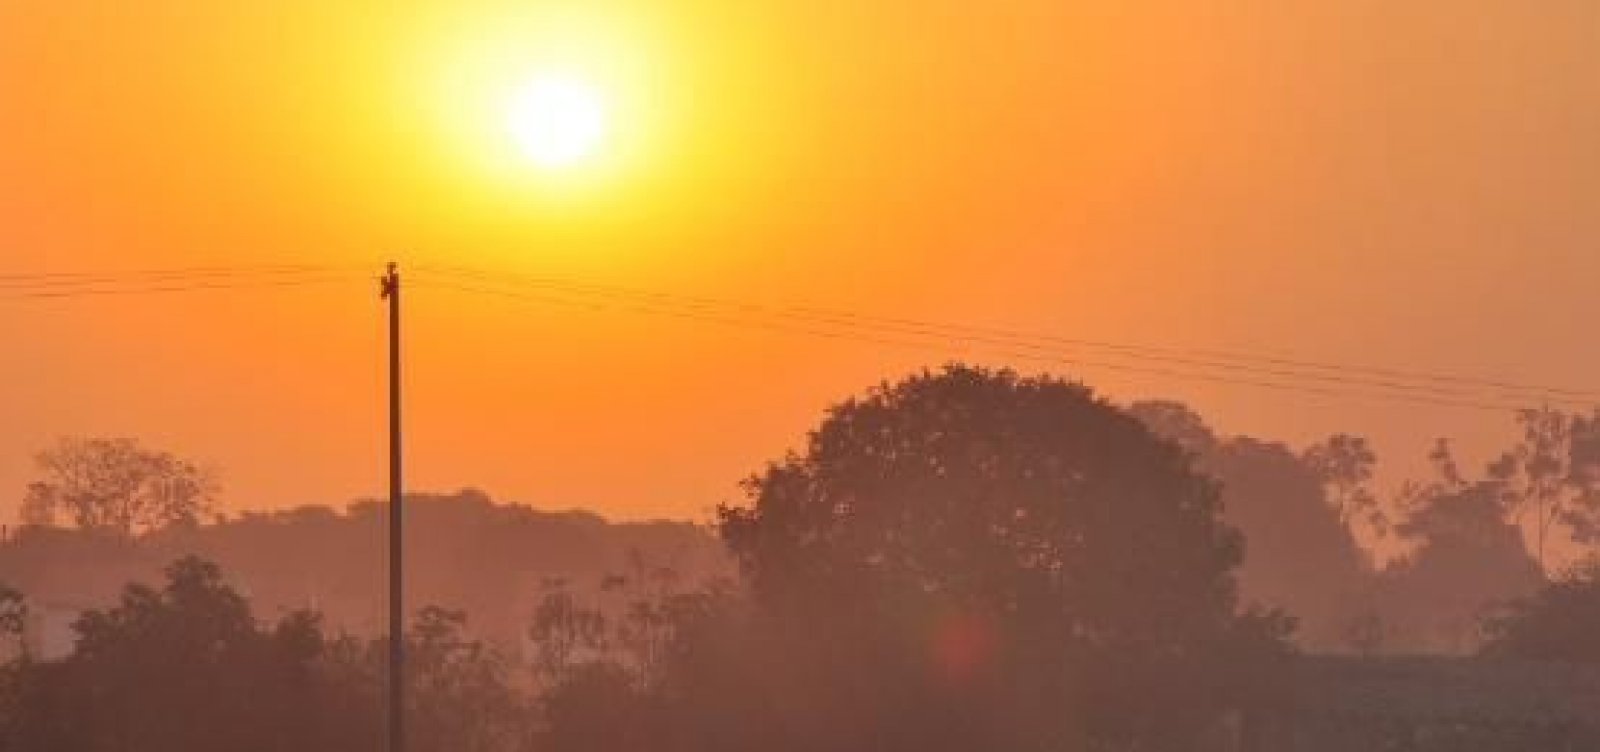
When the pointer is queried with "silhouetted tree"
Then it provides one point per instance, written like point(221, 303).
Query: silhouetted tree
point(563, 630)
point(1344, 465)
point(1557, 623)
point(630, 622)
point(1551, 476)
point(462, 698)
point(598, 706)
point(975, 559)
point(184, 667)
point(117, 485)
point(1301, 557)
point(13, 613)
point(188, 667)
point(1467, 557)
point(648, 658)
point(480, 556)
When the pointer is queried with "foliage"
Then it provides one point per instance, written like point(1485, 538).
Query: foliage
point(1014, 542)
point(1344, 464)
point(461, 698)
point(188, 667)
point(630, 623)
point(477, 556)
point(1551, 476)
point(117, 485)
point(1466, 557)
point(184, 667)
point(1301, 556)
point(13, 613)
point(1558, 623)
point(563, 629)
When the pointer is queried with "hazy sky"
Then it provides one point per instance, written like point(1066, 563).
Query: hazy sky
point(1400, 184)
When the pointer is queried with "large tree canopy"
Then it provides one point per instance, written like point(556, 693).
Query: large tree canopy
point(1027, 527)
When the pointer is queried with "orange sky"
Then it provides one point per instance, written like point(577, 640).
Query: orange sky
point(1401, 184)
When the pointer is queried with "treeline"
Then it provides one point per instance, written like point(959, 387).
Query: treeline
point(965, 559)
point(464, 551)
point(1458, 545)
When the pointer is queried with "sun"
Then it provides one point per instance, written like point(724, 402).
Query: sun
point(556, 120)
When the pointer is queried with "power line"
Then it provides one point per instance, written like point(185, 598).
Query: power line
point(1330, 374)
point(1258, 371)
point(27, 279)
point(160, 286)
point(1301, 369)
point(593, 302)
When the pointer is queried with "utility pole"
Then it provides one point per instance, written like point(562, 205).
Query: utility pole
point(397, 651)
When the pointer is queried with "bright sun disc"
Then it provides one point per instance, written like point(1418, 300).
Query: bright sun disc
point(556, 121)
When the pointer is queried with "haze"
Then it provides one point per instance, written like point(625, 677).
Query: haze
point(1409, 185)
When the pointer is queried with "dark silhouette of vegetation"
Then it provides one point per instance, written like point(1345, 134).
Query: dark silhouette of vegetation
point(1558, 623)
point(1467, 556)
point(117, 485)
point(189, 667)
point(1437, 704)
point(964, 559)
point(479, 556)
point(1302, 557)
point(183, 667)
point(13, 622)
point(13, 612)
point(1551, 476)
point(990, 560)
point(1344, 465)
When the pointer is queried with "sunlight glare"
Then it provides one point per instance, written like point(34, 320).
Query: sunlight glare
point(556, 121)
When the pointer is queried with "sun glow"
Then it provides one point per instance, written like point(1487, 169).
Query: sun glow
point(556, 120)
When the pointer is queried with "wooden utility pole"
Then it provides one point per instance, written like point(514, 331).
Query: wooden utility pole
point(397, 638)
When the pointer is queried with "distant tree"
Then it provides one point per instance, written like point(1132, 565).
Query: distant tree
point(1466, 556)
point(1533, 473)
point(188, 667)
point(1583, 477)
point(13, 617)
point(477, 558)
point(613, 697)
point(117, 485)
point(599, 706)
point(1301, 558)
point(631, 622)
point(563, 631)
point(1557, 623)
point(1551, 476)
point(462, 697)
point(1054, 553)
point(1344, 465)
point(183, 667)
point(13, 611)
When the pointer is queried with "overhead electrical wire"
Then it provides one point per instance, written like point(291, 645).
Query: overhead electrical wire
point(1264, 371)
point(1431, 387)
point(57, 285)
point(581, 300)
